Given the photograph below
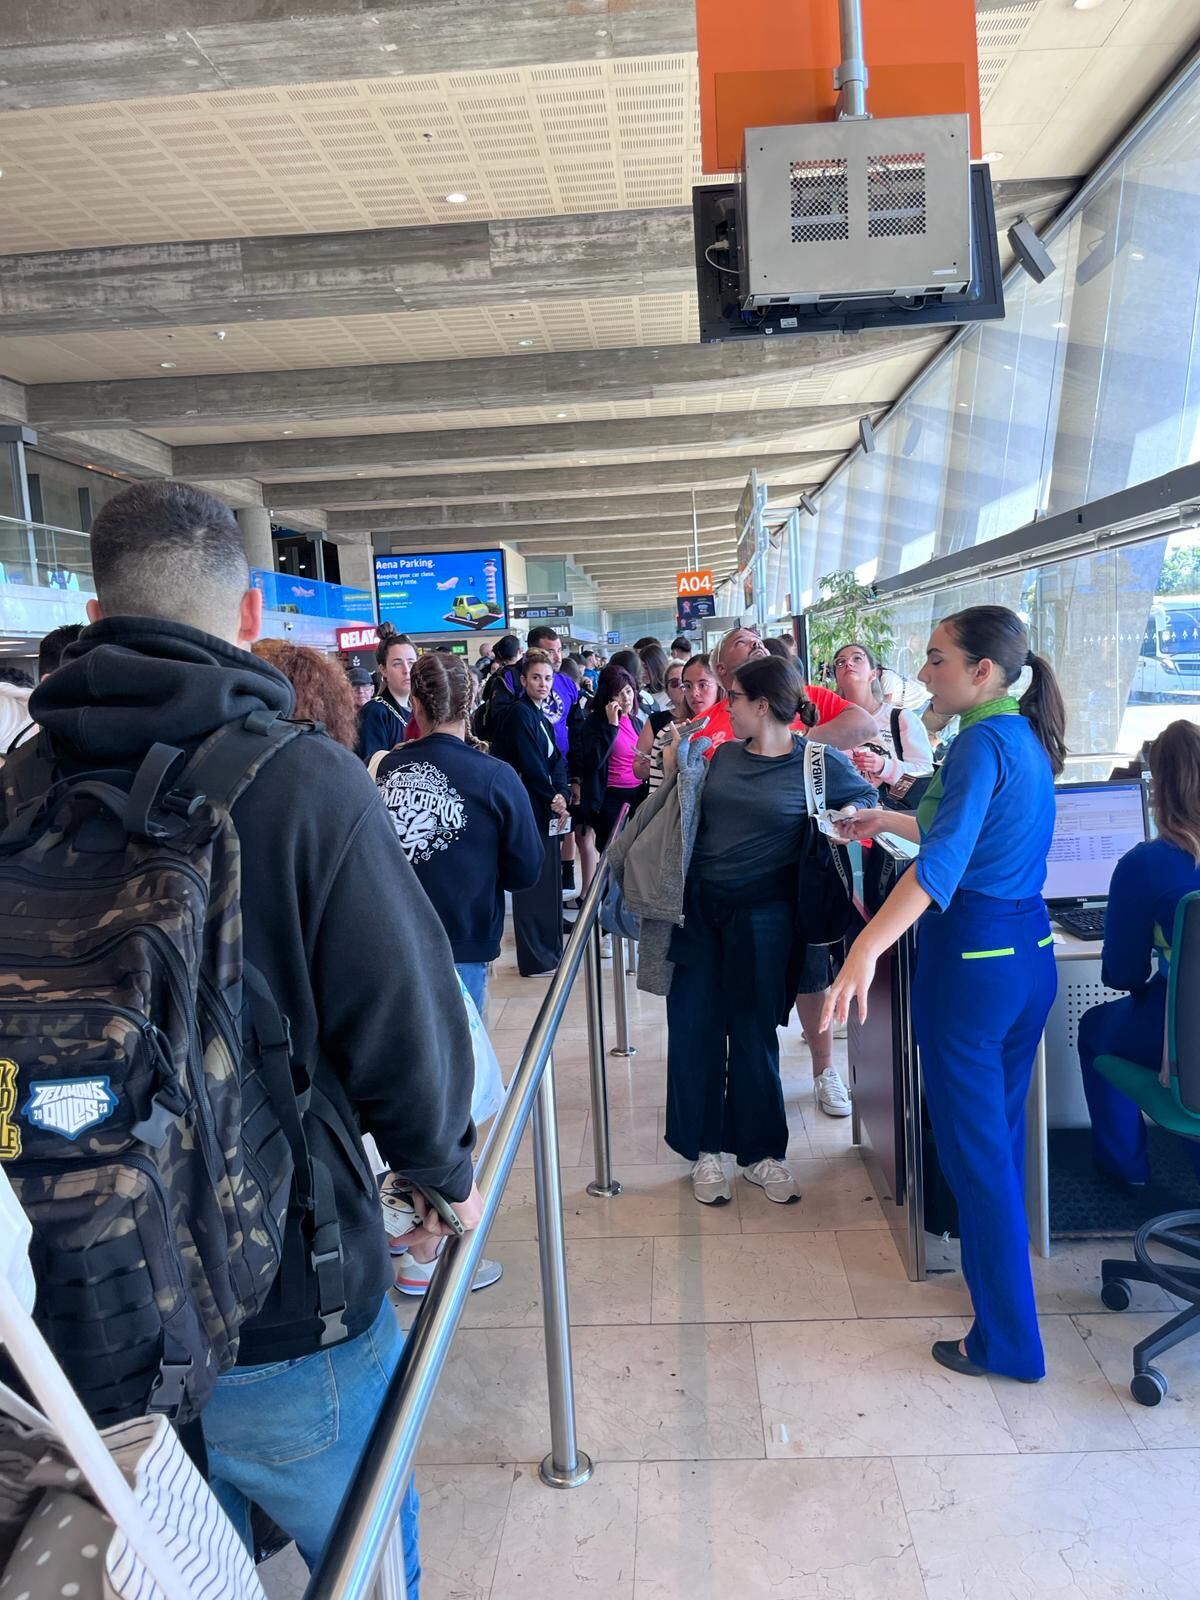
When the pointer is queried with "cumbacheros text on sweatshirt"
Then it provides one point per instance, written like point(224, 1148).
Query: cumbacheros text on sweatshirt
point(467, 827)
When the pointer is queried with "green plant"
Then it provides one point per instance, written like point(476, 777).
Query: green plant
point(845, 614)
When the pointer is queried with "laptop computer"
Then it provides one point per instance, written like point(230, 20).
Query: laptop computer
point(1094, 825)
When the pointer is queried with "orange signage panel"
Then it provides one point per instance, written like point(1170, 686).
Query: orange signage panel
point(690, 583)
point(766, 63)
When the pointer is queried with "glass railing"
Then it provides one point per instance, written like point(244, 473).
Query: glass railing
point(37, 556)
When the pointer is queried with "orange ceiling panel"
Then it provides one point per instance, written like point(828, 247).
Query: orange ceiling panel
point(764, 63)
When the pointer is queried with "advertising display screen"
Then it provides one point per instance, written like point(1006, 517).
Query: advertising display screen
point(443, 592)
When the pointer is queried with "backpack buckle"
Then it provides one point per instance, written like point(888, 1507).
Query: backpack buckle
point(170, 1387)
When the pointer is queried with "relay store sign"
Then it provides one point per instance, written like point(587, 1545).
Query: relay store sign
point(355, 639)
point(689, 583)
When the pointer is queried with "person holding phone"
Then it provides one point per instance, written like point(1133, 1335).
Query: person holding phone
point(526, 740)
point(607, 780)
point(648, 757)
point(985, 976)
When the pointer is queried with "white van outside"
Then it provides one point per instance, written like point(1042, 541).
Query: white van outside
point(1168, 666)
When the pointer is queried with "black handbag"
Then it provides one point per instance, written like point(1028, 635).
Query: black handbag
point(906, 793)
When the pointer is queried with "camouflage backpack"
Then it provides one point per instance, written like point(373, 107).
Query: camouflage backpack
point(150, 1110)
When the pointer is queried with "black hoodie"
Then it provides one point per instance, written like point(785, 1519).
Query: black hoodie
point(364, 973)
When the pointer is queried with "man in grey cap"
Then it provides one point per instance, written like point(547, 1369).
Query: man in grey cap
point(362, 687)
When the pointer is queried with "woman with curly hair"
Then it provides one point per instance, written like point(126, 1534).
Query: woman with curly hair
point(323, 692)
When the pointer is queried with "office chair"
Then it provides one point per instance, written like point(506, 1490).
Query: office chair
point(1175, 1107)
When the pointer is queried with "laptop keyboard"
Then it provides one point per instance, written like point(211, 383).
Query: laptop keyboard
point(1083, 924)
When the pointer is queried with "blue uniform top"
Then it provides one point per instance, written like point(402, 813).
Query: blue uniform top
point(1148, 884)
point(994, 816)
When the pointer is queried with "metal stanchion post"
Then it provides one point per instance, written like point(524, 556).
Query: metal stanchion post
point(390, 1581)
point(623, 1046)
point(605, 1184)
point(566, 1467)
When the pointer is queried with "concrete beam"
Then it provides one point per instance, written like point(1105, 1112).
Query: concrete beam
point(804, 471)
point(12, 401)
point(243, 494)
point(135, 455)
point(480, 384)
point(522, 513)
point(435, 450)
point(75, 53)
point(455, 266)
point(563, 535)
point(458, 266)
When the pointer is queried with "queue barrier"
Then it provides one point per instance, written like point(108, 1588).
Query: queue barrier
point(364, 1558)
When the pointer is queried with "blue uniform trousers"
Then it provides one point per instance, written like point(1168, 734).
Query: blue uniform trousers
point(985, 982)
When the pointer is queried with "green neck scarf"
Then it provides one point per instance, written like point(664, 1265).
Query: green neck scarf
point(1005, 706)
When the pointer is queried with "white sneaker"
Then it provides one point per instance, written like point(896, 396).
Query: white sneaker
point(709, 1183)
point(412, 1276)
point(774, 1179)
point(832, 1095)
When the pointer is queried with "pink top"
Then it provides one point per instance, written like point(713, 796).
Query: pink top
point(620, 762)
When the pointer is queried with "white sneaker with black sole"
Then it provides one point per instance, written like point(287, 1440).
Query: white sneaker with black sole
point(832, 1095)
point(774, 1179)
point(709, 1183)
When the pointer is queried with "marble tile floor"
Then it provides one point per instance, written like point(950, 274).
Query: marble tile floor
point(754, 1383)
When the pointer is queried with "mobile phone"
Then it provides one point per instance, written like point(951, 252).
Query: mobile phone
point(445, 1210)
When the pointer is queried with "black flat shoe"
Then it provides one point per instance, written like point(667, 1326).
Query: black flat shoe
point(947, 1354)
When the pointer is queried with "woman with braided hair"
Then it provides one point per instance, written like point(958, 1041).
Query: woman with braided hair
point(464, 819)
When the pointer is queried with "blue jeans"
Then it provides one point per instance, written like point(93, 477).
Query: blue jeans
point(474, 977)
point(288, 1437)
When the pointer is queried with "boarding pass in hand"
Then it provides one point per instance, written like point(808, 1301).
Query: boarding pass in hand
point(828, 821)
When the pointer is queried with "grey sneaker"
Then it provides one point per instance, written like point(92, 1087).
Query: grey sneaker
point(709, 1183)
point(412, 1276)
point(833, 1097)
point(774, 1179)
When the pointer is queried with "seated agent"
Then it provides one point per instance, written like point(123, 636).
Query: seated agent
point(1147, 886)
point(378, 1022)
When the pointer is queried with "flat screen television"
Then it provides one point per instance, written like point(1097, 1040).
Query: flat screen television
point(444, 592)
point(715, 215)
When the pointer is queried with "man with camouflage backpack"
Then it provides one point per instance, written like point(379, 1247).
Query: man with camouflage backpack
point(204, 997)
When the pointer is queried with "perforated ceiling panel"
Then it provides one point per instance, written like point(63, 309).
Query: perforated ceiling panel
point(1000, 30)
point(520, 329)
point(374, 153)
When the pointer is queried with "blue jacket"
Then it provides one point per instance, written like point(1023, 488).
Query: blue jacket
point(1147, 886)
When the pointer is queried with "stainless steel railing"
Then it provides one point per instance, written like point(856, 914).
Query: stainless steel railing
point(363, 1556)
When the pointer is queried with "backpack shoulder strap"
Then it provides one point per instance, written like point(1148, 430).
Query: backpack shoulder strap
point(897, 741)
point(230, 759)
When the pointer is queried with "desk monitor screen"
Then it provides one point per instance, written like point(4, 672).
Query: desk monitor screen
point(1094, 825)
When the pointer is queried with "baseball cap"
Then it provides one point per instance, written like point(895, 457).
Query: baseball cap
point(359, 677)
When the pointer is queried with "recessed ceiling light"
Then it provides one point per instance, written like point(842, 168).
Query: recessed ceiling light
point(524, 342)
point(1086, 5)
point(560, 414)
point(168, 363)
point(1137, 255)
point(456, 199)
point(288, 430)
point(993, 155)
point(1060, 326)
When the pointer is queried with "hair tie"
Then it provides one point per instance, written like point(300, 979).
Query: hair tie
point(1030, 658)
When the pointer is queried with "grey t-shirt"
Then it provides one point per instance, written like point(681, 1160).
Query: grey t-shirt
point(753, 812)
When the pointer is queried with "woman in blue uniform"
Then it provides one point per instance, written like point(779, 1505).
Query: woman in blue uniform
point(985, 976)
point(1147, 886)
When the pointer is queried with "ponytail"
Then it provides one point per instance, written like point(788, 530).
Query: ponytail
point(994, 633)
point(1043, 704)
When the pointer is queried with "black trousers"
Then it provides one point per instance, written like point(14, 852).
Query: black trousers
point(728, 993)
point(538, 917)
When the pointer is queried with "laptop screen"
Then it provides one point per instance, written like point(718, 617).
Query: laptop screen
point(1094, 825)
